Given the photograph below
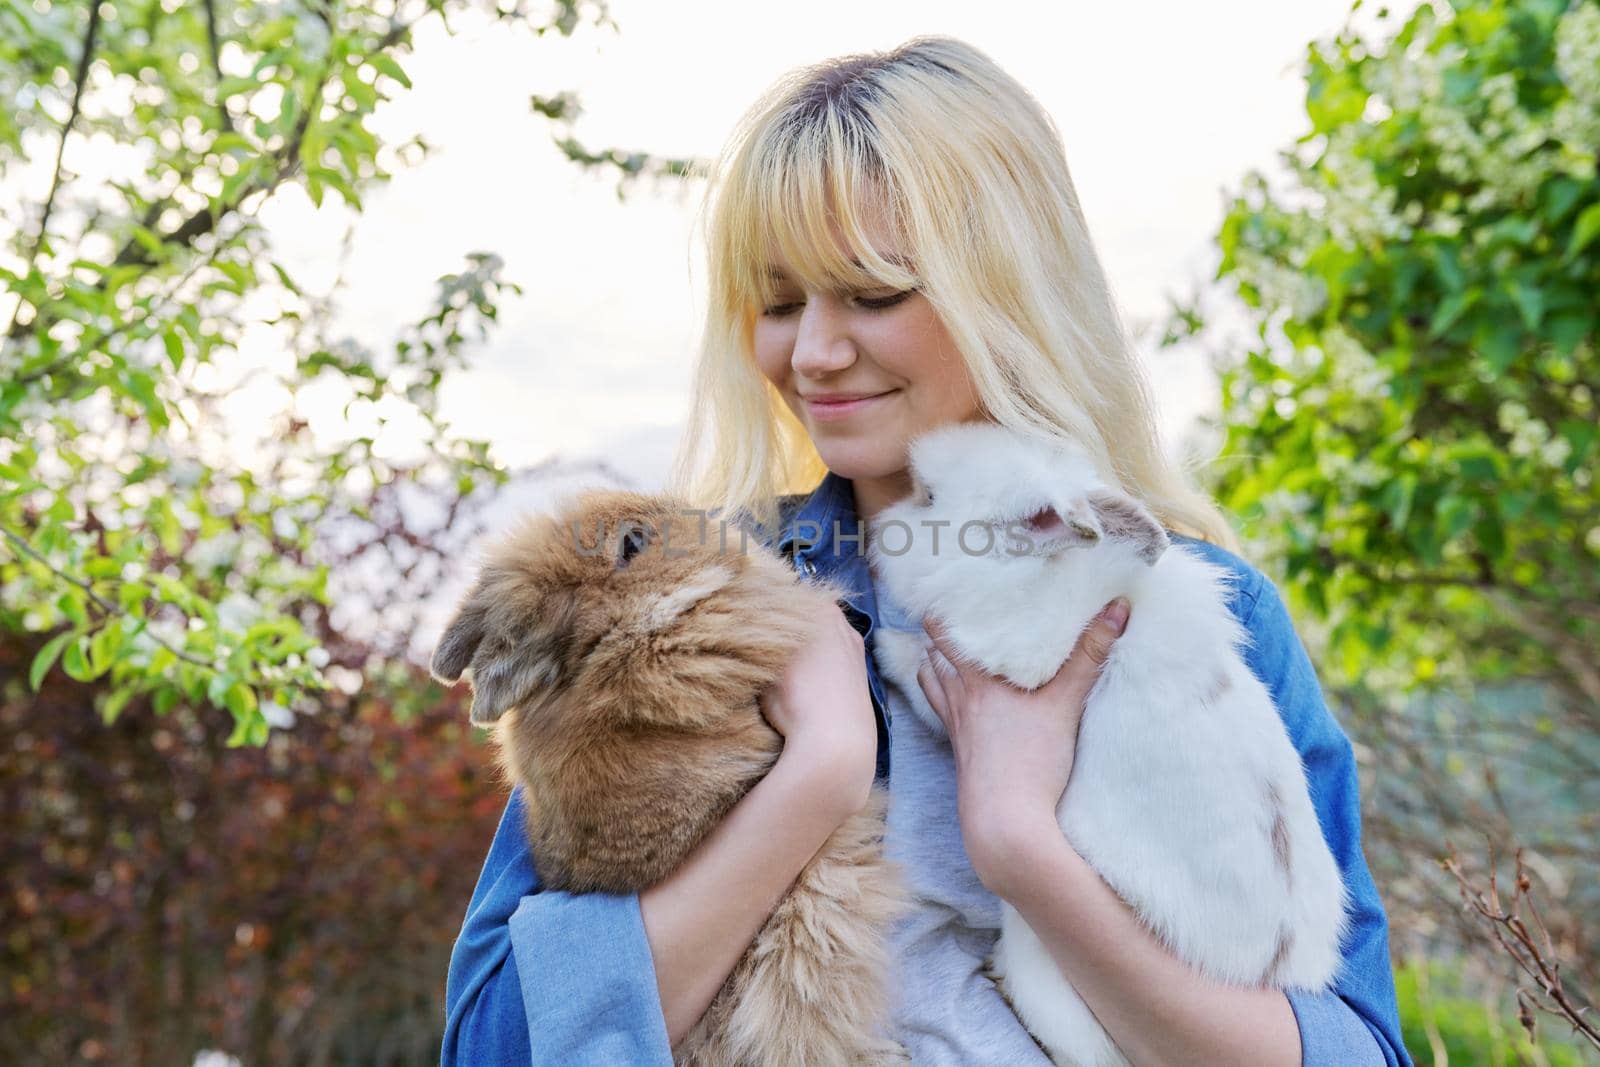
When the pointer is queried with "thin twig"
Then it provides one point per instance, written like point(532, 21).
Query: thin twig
point(80, 78)
point(1537, 962)
point(107, 608)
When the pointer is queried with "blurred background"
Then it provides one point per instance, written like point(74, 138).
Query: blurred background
point(303, 297)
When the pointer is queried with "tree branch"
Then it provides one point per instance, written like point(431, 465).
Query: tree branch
point(1534, 957)
point(107, 608)
point(216, 62)
point(80, 78)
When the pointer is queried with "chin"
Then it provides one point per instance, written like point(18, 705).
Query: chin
point(863, 459)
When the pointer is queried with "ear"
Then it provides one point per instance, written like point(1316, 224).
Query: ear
point(1125, 519)
point(459, 641)
point(508, 661)
point(1050, 531)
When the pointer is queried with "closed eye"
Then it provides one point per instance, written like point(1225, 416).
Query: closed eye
point(868, 303)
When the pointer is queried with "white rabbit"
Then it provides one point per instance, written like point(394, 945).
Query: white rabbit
point(1186, 794)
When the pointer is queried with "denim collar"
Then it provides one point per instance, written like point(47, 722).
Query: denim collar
point(824, 539)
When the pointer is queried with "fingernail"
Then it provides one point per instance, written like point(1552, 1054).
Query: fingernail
point(1117, 615)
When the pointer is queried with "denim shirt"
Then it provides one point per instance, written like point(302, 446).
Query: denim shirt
point(546, 977)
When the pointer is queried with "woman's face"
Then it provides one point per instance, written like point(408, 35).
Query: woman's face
point(864, 372)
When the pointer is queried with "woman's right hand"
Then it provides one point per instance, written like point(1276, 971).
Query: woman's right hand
point(702, 917)
point(822, 706)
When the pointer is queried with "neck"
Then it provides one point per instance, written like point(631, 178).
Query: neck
point(875, 494)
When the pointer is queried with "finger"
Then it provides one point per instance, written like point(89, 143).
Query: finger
point(1109, 625)
point(1089, 655)
point(950, 676)
point(948, 653)
point(933, 688)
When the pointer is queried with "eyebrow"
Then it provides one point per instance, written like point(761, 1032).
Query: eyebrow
point(898, 260)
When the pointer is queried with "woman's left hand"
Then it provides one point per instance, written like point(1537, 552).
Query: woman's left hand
point(1013, 747)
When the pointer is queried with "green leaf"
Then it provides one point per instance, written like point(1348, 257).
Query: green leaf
point(70, 604)
point(234, 185)
point(1500, 344)
point(1492, 536)
point(74, 663)
point(283, 277)
point(274, 33)
point(1397, 498)
point(161, 659)
point(143, 389)
point(1455, 516)
point(166, 699)
point(45, 657)
point(240, 699)
point(1557, 197)
point(1529, 303)
point(1585, 230)
point(132, 595)
point(385, 64)
point(1453, 307)
point(1581, 437)
point(174, 346)
point(1568, 329)
point(115, 703)
point(229, 87)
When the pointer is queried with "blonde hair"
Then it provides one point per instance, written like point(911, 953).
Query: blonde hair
point(970, 171)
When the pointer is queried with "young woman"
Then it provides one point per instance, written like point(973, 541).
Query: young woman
point(894, 244)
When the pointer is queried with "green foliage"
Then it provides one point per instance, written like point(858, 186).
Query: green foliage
point(164, 554)
point(1440, 1024)
point(1410, 437)
point(1413, 430)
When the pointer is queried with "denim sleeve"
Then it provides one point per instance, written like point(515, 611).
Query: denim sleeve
point(1356, 1023)
point(544, 977)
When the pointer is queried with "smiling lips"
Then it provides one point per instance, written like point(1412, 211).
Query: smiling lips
point(825, 406)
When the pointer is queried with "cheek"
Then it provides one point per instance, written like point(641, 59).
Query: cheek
point(773, 344)
point(940, 385)
point(920, 352)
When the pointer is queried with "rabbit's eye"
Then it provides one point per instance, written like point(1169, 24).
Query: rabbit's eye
point(924, 496)
point(634, 539)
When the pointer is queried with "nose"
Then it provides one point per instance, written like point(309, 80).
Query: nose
point(822, 344)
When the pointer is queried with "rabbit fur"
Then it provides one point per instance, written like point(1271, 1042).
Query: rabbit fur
point(1186, 793)
point(618, 651)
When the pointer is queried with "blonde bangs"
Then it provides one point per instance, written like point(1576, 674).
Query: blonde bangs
point(810, 189)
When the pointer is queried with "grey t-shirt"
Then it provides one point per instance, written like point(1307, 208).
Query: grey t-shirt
point(946, 1011)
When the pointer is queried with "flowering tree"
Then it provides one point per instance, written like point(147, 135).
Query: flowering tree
point(1411, 429)
point(152, 544)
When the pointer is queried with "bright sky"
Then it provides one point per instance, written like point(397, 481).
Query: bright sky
point(1162, 105)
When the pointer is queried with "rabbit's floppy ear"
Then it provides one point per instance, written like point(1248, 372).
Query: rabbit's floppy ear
point(1051, 530)
point(460, 640)
point(1125, 519)
point(508, 660)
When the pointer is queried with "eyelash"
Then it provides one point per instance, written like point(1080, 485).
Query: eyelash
point(883, 303)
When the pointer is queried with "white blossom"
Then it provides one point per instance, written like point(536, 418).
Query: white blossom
point(1577, 120)
point(277, 715)
point(1356, 205)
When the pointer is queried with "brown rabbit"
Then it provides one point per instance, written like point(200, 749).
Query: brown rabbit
point(620, 646)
